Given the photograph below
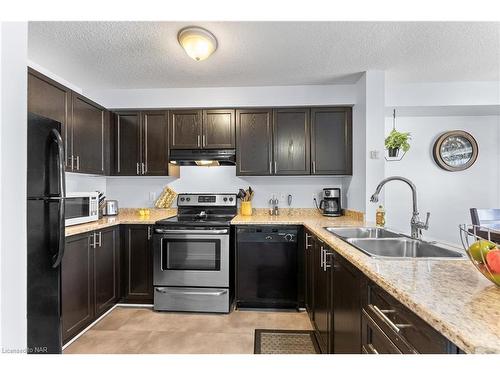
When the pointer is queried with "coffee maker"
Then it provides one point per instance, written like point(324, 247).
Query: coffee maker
point(331, 204)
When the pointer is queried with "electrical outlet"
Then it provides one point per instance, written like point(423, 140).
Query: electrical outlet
point(152, 196)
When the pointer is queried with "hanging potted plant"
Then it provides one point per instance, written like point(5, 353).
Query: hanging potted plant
point(397, 141)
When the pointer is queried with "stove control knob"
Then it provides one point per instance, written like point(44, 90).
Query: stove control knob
point(188, 199)
point(182, 199)
point(288, 237)
point(225, 199)
point(231, 199)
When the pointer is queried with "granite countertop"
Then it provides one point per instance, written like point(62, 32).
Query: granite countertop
point(126, 216)
point(450, 295)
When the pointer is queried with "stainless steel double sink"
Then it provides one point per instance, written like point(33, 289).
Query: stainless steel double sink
point(382, 243)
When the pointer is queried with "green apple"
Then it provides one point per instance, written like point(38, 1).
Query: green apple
point(479, 249)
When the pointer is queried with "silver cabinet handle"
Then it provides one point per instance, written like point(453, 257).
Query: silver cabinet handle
point(381, 314)
point(326, 265)
point(93, 242)
point(321, 257)
point(143, 168)
point(198, 140)
point(307, 242)
point(191, 231)
point(71, 158)
point(314, 166)
point(270, 167)
point(100, 239)
point(370, 349)
point(191, 292)
point(275, 167)
point(77, 162)
point(137, 167)
point(204, 140)
point(149, 233)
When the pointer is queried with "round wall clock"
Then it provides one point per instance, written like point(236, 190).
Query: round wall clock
point(455, 150)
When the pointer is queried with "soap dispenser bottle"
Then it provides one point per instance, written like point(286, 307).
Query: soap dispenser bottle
point(380, 216)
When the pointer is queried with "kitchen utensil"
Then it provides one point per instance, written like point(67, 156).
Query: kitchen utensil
point(166, 198)
point(111, 208)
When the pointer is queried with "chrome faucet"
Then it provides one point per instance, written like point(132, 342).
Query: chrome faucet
point(415, 224)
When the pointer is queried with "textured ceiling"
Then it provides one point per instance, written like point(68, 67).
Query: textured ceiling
point(106, 55)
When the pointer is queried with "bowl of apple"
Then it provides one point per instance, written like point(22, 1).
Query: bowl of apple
point(483, 252)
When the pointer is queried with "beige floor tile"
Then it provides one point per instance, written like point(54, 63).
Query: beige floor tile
point(198, 343)
point(108, 342)
point(116, 318)
point(134, 330)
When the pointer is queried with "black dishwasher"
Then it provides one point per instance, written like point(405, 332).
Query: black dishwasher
point(267, 267)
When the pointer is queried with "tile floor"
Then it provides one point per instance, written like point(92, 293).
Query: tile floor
point(130, 330)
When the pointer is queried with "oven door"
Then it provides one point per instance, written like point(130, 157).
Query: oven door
point(191, 257)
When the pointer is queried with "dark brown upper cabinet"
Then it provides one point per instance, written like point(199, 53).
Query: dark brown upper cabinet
point(141, 143)
point(218, 128)
point(254, 142)
point(50, 99)
point(196, 129)
point(331, 141)
point(186, 129)
point(291, 141)
point(155, 141)
point(88, 123)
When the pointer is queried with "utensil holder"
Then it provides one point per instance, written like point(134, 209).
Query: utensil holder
point(246, 208)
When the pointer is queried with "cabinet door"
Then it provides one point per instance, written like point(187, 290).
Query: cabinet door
point(106, 269)
point(346, 302)
point(309, 274)
point(291, 141)
point(331, 141)
point(128, 143)
point(155, 136)
point(218, 128)
point(50, 99)
point(87, 135)
point(77, 294)
point(138, 270)
point(253, 142)
point(322, 306)
point(185, 129)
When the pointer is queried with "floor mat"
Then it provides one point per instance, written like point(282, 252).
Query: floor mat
point(276, 341)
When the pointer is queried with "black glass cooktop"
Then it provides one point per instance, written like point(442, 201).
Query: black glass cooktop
point(209, 219)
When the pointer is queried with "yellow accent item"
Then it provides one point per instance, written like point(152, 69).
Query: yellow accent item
point(246, 208)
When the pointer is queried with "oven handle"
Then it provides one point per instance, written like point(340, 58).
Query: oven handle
point(191, 231)
point(191, 292)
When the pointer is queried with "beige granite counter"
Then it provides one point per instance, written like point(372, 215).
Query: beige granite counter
point(126, 216)
point(450, 295)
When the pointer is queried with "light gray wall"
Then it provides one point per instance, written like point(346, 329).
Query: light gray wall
point(447, 195)
point(13, 136)
point(141, 191)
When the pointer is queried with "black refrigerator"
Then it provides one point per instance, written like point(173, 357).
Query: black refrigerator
point(46, 192)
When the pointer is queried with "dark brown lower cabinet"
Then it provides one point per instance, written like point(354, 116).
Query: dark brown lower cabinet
point(137, 267)
point(90, 277)
point(77, 291)
point(346, 305)
point(106, 269)
point(352, 315)
point(323, 313)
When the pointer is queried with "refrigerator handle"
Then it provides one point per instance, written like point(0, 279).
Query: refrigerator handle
point(62, 190)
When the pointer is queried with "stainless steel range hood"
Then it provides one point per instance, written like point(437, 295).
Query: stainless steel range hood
point(206, 158)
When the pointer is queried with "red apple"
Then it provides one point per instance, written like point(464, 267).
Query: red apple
point(493, 260)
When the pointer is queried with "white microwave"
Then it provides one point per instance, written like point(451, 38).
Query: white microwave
point(81, 208)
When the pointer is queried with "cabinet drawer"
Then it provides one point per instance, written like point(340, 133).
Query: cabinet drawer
point(409, 332)
point(375, 341)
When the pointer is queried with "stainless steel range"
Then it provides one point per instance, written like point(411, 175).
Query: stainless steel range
point(191, 255)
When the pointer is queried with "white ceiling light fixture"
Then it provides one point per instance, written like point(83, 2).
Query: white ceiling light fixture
point(198, 43)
